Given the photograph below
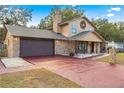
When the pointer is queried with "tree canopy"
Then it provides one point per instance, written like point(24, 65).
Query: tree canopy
point(110, 31)
point(68, 13)
point(15, 15)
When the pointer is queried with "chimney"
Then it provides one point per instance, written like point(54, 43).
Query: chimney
point(56, 20)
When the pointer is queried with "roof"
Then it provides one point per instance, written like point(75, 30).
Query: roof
point(84, 33)
point(46, 34)
point(77, 36)
point(31, 32)
point(66, 22)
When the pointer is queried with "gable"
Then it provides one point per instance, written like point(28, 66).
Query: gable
point(91, 37)
point(76, 24)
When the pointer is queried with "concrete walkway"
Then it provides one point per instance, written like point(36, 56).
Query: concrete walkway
point(105, 55)
point(14, 62)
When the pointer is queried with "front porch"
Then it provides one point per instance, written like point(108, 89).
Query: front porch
point(84, 43)
point(77, 48)
point(88, 47)
point(84, 49)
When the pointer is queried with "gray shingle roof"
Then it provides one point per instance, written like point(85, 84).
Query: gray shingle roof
point(40, 33)
point(36, 33)
point(83, 34)
point(79, 35)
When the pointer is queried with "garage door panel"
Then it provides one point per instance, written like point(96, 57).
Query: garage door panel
point(30, 47)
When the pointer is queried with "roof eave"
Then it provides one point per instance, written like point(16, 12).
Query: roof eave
point(39, 37)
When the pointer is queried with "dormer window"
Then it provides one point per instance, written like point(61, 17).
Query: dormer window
point(74, 28)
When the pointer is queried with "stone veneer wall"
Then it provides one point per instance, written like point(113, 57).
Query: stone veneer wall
point(13, 46)
point(63, 47)
point(16, 46)
point(9, 42)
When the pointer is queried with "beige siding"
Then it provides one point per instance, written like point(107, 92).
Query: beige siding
point(91, 37)
point(66, 29)
point(79, 29)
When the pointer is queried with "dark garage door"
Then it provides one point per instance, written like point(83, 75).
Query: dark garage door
point(36, 47)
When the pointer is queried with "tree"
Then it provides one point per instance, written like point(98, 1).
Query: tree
point(20, 16)
point(68, 13)
point(120, 26)
point(14, 15)
point(4, 13)
point(109, 31)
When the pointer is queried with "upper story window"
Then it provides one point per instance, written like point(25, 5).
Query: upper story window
point(83, 24)
point(74, 28)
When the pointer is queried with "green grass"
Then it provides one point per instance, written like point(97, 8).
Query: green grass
point(35, 78)
point(120, 58)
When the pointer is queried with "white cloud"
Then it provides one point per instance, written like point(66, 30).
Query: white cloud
point(116, 9)
point(110, 15)
point(109, 10)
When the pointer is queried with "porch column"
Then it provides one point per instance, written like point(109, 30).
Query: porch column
point(98, 47)
point(95, 47)
point(89, 47)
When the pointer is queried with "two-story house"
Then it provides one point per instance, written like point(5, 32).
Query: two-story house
point(77, 35)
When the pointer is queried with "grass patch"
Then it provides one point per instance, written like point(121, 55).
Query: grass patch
point(39, 78)
point(120, 58)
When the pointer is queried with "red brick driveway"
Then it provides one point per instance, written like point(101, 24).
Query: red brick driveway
point(86, 72)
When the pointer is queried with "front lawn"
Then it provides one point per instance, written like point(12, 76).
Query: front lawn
point(120, 58)
point(35, 78)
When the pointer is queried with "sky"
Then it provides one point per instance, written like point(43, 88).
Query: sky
point(113, 13)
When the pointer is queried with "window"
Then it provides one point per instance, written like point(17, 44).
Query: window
point(74, 28)
point(83, 24)
point(81, 47)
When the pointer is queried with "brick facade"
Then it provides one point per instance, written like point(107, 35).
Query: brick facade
point(16, 48)
point(64, 47)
